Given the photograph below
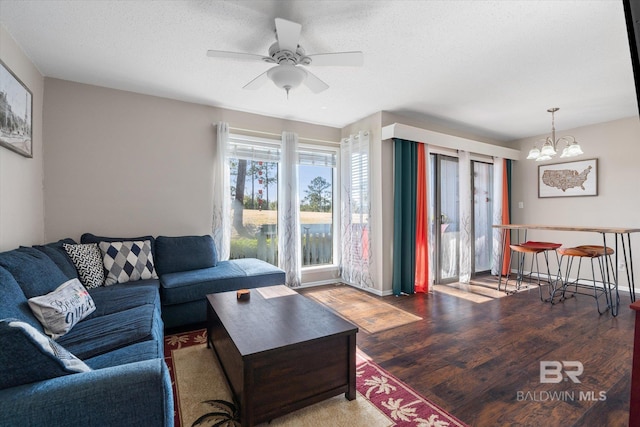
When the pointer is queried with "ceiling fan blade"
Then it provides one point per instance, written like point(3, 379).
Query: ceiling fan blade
point(288, 34)
point(238, 56)
point(314, 83)
point(351, 59)
point(257, 82)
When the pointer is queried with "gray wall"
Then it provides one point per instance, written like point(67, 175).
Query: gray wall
point(121, 163)
point(21, 194)
point(616, 145)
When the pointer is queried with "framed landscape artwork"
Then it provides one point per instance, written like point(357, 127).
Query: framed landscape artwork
point(569, 179)
point(16, 108)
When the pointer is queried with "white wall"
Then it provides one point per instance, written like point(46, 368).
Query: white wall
point(21, 194)
point(121, 163)
point(616, 145)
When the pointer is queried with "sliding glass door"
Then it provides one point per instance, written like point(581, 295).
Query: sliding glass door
point(444, 197)
point(482, 216)
point(445, 205)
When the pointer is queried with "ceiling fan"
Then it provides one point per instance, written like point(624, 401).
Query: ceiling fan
point(290, 57)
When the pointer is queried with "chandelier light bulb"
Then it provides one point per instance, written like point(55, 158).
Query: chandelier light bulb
point(534, 153)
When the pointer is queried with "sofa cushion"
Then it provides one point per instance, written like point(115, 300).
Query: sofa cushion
point(13, 302)
point(98, 335)
point(60, 310)
point(184, 253)
point(56, 252)
point(34, 271)
point(127, 261)
point(226, 276)
point(112, 299)
point(137, 352)
point(88, 262)
point(28, 356)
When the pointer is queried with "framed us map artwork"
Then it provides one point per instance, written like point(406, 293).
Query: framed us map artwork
point(571, 179)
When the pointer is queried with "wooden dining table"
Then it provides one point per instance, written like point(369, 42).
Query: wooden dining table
point(619, 237)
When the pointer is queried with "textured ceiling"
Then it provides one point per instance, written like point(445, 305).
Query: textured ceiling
point(491, 68)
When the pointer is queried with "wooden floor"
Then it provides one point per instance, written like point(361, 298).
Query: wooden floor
point(481, 360)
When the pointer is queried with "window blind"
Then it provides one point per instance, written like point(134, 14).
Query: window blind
point(314, 157)
point(253, 148)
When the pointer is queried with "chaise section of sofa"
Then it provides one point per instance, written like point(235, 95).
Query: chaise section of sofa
point(189, 270)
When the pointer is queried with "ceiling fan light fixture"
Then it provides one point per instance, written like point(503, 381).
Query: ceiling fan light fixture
point(287, 76)
point(290, 57)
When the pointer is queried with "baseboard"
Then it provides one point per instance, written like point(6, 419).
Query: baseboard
point(319, 283)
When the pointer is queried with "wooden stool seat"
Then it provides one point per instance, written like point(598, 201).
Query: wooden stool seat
point(578, 252)
point(601, 250)
point(546, 246)
point(525, 249)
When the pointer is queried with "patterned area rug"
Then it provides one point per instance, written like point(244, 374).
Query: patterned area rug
point(203, 398)
point(367, 311)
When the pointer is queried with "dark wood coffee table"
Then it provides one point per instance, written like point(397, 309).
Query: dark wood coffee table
point(280, 351)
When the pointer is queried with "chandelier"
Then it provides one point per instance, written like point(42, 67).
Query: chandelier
point(550, 145)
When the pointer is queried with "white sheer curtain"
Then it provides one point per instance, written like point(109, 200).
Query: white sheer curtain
point(221, 225)
point(356, 264)
point(289, 251)
point(498, 174)
point(466, 239)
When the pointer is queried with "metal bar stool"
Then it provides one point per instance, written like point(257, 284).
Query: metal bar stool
point(533, 248)
point(592, 253)
point(605, 271)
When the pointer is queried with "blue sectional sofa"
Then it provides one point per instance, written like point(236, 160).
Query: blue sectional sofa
point(189, 269)
point(118, 375)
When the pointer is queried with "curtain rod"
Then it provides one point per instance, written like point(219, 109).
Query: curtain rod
point(280, 136)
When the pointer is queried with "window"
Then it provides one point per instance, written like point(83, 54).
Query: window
point(316, 183)
point(482, 215)
point(254, 165)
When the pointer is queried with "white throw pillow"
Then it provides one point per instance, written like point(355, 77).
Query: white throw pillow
point(60, 310)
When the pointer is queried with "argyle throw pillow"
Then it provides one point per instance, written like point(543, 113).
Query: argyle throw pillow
point(127, 261)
